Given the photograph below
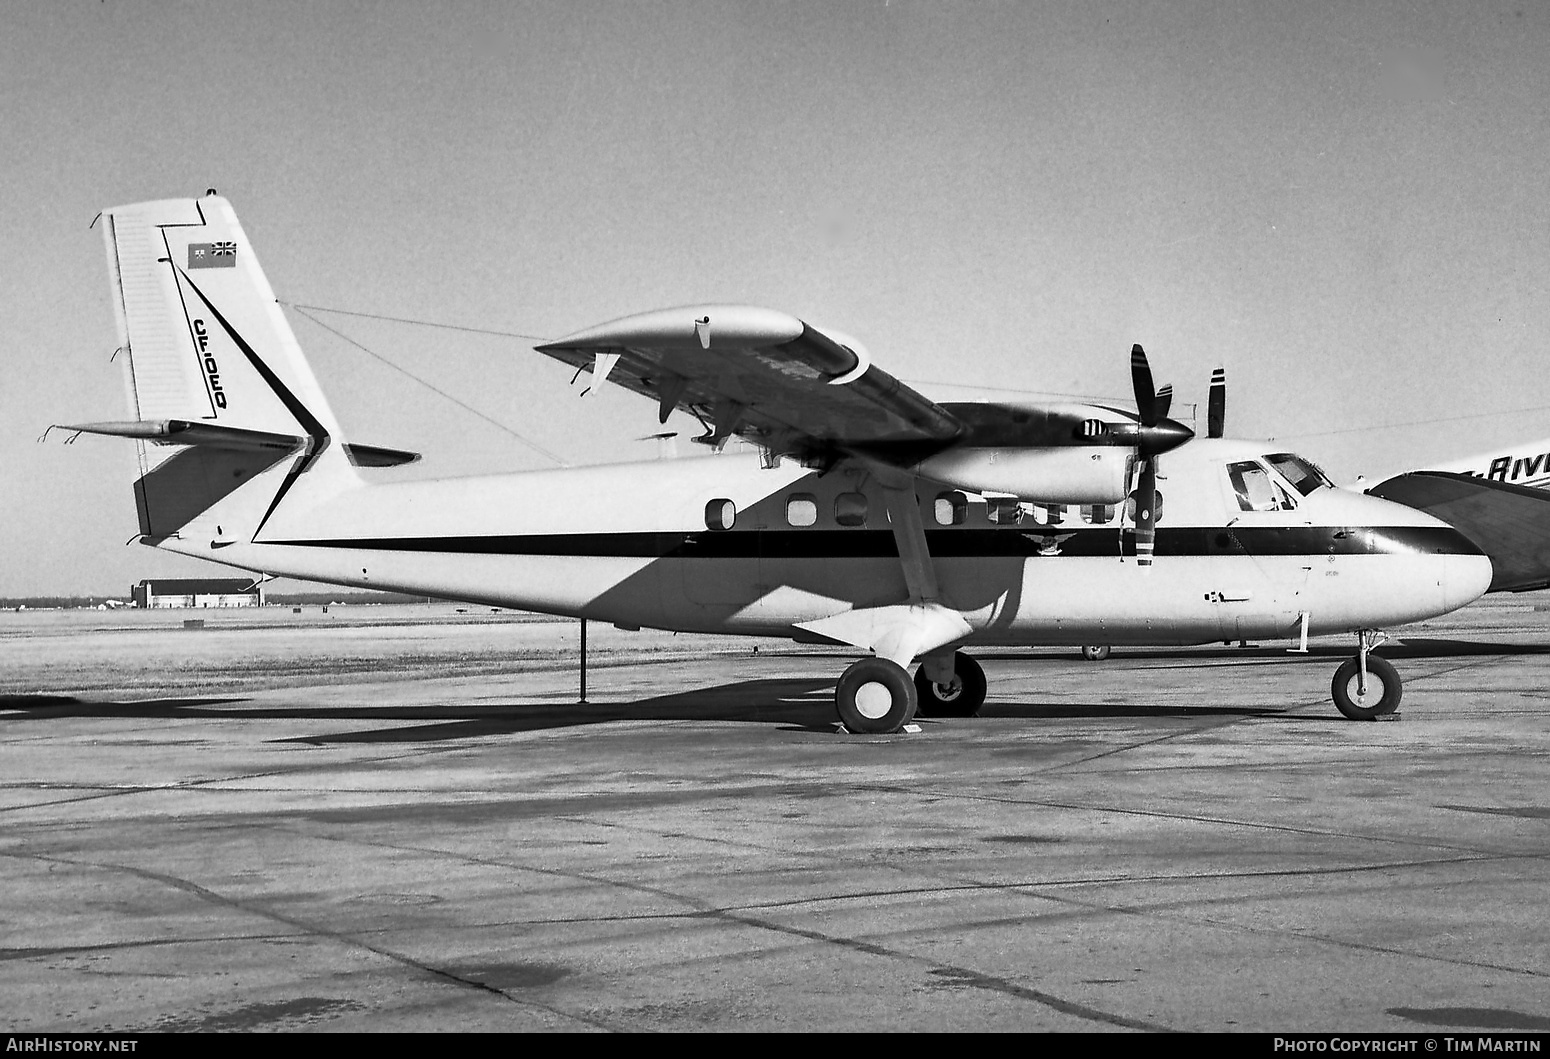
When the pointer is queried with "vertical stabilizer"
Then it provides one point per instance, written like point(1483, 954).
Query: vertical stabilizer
point(207, 344)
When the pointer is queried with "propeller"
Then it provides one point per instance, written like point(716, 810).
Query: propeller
point(1216, 404)
point(1156, 435)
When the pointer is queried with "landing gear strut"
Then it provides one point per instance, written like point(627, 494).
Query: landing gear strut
point(875, 697)
point(1366, 687)
point(960, 696)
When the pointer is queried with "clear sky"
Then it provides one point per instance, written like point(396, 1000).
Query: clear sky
point(1344, 203)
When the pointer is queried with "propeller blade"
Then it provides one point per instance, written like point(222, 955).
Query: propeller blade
point(1141, 379)
point(1146, 514)
point(1155, 433)
point(1216, 405)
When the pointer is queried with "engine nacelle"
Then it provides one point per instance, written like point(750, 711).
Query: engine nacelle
point(1068, 474)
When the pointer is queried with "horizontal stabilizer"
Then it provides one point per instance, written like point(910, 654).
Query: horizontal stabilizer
point(1510, 523)
point(377, 456)
point(211, 435)
point(182, 432)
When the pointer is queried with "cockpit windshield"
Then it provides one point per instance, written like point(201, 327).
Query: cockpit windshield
point(1304, 476)
point(1256, 490)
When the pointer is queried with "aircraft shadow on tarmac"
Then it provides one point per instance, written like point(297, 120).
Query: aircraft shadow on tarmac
point(790, 705)
point(805, 703)
point(794, 704)
point(1399, 647)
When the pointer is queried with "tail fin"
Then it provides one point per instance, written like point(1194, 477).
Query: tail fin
point(209, 348)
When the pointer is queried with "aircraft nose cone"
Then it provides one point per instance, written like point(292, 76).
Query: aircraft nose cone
point(1166, 435)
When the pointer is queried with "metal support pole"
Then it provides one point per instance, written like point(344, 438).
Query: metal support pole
point(583, 700)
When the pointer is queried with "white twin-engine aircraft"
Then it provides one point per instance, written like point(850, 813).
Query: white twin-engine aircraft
point(870, 515)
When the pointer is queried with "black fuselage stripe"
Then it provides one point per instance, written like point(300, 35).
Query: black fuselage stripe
point(945, 544)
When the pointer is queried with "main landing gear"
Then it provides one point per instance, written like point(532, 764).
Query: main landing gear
point(1366, 687)
point(961, 694)
point(877, 697)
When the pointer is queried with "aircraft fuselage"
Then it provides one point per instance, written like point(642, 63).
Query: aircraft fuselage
point(723, 544)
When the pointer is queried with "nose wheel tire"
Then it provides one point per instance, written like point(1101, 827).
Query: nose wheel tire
point(962, 697)
point(1095, 652)
point(875, 697)
point(1383, 689)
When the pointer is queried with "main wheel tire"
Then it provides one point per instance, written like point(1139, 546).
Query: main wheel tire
point(962, 698)
point(1383, 689)
point(875, 697)
point(1095, 652)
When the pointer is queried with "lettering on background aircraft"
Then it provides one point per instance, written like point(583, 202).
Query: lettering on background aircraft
point(212, 369)
point(1520, 466)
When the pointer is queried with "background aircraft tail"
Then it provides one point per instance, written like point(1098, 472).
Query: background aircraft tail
point(230, 417)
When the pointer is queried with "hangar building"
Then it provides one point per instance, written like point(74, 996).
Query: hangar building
point(198, 592)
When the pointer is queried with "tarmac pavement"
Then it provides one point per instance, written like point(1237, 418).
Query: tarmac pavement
point(401, 819)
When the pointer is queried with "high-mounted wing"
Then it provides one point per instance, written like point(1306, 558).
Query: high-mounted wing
point(763, 375)
point(1510, 523)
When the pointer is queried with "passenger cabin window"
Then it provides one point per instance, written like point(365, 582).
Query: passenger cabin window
point(720, 514)
point(1304, 476)
point(850, 509)
point(1256, 490)
point(1049, 514)
point(1003, 510)
point(951, 508)
point(801, 509)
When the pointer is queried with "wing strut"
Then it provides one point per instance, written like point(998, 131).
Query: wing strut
point(900, 632)
point(909, 535)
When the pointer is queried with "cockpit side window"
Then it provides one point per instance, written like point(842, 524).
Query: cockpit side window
point(1304, 476)
point(1255, 489)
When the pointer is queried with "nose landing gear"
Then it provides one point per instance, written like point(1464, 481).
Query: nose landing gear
point(1366, 687)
